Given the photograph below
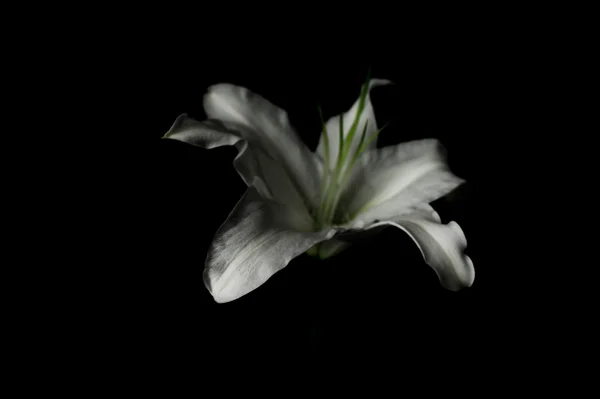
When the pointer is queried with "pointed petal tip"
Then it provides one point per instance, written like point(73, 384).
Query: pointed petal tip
point(167, 135)
point(180, 121)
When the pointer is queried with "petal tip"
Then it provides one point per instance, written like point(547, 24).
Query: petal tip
point(179, 122)
point(219, 299)
point(380, 82)
point(219, 292)
point(206, 280)
point(470, 272)
point(459, 232)
point(465, 277)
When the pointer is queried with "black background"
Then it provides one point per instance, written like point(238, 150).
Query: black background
point(376, 298)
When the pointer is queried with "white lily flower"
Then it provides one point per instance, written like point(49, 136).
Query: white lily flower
point(299, 201)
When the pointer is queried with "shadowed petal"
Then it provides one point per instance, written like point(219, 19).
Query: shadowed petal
point(268, 126)
point(355, 231)
point(254, 243)
point(332, 247)
point(442, 247)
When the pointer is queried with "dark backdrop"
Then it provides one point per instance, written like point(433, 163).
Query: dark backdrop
point(376, 298)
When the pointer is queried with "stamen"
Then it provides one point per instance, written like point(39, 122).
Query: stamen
point(374, 136)
point(362, 139)
point(361, 107)
point(332, 184)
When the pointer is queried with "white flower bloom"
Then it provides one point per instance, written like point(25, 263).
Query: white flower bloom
point(299, 201)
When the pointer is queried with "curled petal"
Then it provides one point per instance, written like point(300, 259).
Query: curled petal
point(354, 232)
point(252, 245)
point(442, 247)
point(253, 159)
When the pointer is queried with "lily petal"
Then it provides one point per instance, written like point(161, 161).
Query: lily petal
point(208, 134)
point(333, 126)
point(442, 247)
point(394, 180)
point(268, 125)
point(253, 244)
point(252, 160)
point(353, 232)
